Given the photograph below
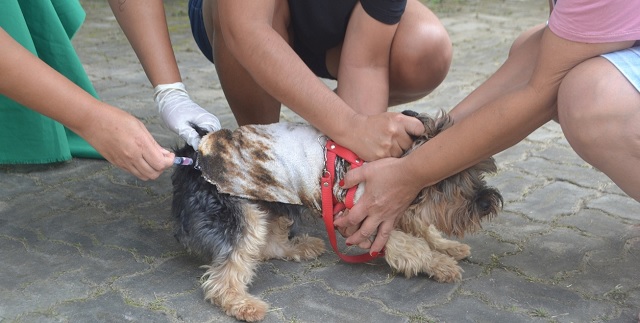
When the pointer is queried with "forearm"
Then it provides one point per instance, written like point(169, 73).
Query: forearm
point(145, 25)
point(513, 74)
point(494, 127)
point(363, 75)
point(276, 67)
point(512, 115)
point(27, 80)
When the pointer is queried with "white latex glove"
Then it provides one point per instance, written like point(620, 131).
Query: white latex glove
point(178, 112)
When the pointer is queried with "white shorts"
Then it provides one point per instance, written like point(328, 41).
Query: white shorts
point(627, 61)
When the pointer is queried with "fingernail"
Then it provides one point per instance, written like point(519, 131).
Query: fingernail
point(341, 183)
point(374, 253)
point(348, 244)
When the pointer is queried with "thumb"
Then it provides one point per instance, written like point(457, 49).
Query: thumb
point(354, 177)
point(191, 137)
point(208, 121)
point(413, 126)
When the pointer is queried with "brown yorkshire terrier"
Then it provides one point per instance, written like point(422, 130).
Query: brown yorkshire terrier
point(250, 188)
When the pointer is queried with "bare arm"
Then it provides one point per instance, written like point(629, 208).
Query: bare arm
point(247, 30)
point(118, 136)
point(492, 128)
point(145, 25)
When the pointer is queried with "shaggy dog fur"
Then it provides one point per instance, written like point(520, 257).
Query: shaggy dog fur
point(234, 233)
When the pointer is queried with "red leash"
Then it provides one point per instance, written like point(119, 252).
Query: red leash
point(330, 205)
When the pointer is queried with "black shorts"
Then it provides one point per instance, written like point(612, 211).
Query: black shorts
point(318, 25)
point(198, 30)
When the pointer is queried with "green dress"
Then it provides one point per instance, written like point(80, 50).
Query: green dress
point(44, 27)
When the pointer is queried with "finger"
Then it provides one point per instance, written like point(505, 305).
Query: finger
point(349, 231)
point(343, 232)
point(384, 231)
point(353, 218)
point(191, 137)
point(156, 157)
point(403, 144)
point(354, 177)
point(154, 161)
point(366, 230)
point(145, 170)
point(365, 244)
point(133, 169)
point(209, 122)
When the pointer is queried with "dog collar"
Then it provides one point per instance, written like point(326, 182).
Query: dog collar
point(331, 205)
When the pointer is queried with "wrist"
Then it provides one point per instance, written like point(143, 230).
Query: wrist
point(417, 171)
point(345, 127)
point(161, 90)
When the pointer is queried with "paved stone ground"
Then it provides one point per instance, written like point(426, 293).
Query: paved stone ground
point(85, 242)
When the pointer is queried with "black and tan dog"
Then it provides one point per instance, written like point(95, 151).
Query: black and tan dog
point(250, 188)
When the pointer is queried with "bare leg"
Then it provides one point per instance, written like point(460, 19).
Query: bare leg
point(249, 102)
point(599, 111)
point(420, 56)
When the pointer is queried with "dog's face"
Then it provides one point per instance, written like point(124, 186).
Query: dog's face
point(457, 204)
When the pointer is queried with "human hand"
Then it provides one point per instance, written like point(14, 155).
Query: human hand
point(389, 190)
point(179, 112)
point(381, 135)
point(125, 142)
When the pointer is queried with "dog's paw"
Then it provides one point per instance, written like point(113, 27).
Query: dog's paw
point(458, 251)
point(444, 269)
point(250, 310)
point(306, 247)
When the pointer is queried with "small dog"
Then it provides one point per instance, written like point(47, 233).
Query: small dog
point(242, 202)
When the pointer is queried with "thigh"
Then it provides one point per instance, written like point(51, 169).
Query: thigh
point(599, 111)
point(595, 91)
point(250, 103)
point(281, 18)
point(319, 29)
point(420, 58)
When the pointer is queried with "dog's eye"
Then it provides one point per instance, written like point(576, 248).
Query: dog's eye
point(484, 205)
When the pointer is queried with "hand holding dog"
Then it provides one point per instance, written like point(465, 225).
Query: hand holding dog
point(389, 190)
point(381, 135)
point(179, 112)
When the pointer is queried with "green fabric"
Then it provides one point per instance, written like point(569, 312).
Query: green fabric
point(44, 27)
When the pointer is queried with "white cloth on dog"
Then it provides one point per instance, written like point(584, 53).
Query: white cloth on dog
point(281, 162)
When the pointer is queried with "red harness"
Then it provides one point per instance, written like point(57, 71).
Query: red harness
point(330, 205)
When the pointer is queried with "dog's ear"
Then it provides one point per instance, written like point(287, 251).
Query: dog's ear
point(443, 121)
point(410, 113)
point(201, 132)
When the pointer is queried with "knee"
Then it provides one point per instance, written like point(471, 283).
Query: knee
point(422, 63)
point(595, 111)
